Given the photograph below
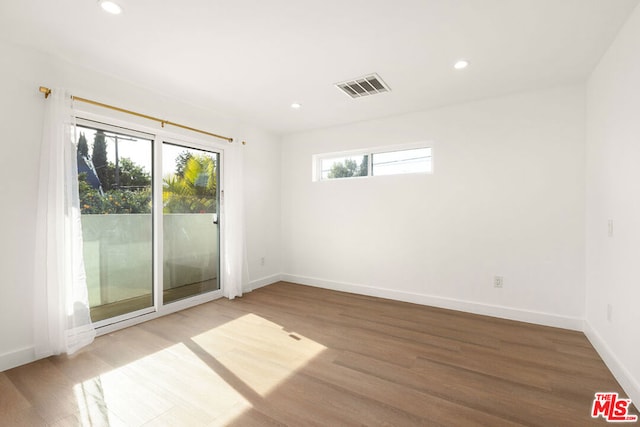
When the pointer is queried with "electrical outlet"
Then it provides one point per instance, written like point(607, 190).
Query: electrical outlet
point(609, 312)
point(262, 260)
point(498, 281)
point(610, 228)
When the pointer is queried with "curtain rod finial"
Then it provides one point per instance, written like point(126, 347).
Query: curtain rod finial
point(46, 91)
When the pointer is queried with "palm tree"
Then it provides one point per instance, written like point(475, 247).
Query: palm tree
point(195, 190)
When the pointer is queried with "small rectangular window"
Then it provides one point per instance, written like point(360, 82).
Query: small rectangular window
point(396, 160)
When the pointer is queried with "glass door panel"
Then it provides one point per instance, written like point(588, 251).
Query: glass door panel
point(114, 180)
point(190, 222)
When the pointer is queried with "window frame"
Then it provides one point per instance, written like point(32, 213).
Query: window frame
point(317, 159)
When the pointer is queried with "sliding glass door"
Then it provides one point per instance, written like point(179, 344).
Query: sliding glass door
point(189, 222)
point(150, 233)
point(114, 181)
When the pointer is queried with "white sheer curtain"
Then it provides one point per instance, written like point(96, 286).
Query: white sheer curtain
point(236, 271)
point(61, 318)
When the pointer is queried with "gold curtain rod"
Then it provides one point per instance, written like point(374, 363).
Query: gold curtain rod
point(162, 122)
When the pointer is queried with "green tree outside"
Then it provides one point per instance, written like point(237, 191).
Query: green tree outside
point(131, 175)
point(83, 148)
point(99, 158)
point(134, 192)
point(113, 201)
point(181, 162)
point(192, 189)
point(349, 168)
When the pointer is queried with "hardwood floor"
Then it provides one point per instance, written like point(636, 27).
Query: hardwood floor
point(294, 355)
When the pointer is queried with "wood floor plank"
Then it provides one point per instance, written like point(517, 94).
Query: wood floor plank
point(387, 391)
point(81, 366)
point(292, 355)
point(10, 397)
point(47, 389)
point(462, 387)
point(181, 416)
point(91, 415)
point(255, 418)
point(23, 418)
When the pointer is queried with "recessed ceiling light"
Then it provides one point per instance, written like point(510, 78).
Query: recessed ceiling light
point(461, 64)
point(111, 7)
point(296, 106)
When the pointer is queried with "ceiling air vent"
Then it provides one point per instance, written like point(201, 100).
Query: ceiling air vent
point(363, 86)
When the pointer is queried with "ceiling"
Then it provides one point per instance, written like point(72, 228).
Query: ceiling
point(252, 58)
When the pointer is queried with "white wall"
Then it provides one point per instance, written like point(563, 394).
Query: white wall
point(507, 198)
point(613, 192)
point(262, 209)
point(21, 109)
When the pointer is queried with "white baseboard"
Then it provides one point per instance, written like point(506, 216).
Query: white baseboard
point(619, 371)
point(259, 283)
point(528, 316)
point(16, 358)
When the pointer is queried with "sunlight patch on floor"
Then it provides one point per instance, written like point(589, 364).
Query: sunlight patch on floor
point(212, 378)
point(165, 387)
point(260, 353)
